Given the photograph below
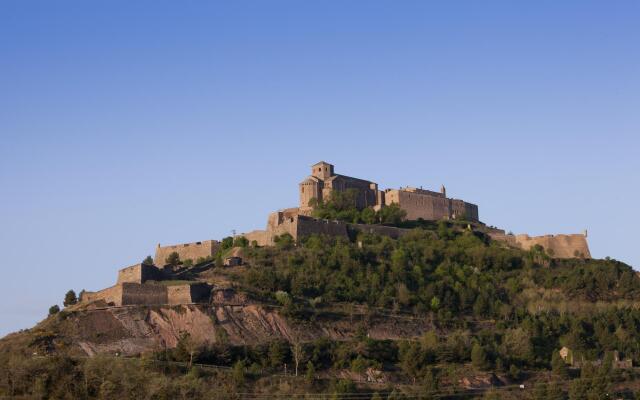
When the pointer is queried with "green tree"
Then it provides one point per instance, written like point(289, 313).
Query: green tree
point(276, 354)
point(284, 241)
point(238, 373)
point(70, 298)
point(310, 374)
point(227, 243)
point(540, 391)
point(555, 392)
point(241, 241)
point(558, 366)
point(368, 216)
point(173, 259)
point(391, 214)
point(479, 357)
point(147, 261)
point(54, 309)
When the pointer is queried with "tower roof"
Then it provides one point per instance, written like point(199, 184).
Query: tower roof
point(322, 163)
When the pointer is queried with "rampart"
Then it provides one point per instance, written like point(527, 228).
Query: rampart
point(187, 251)
point(111, 295)
point(559, 246)
point(130, 293)
point(147, 294)
point(300, 226)
point(139, 273)
point(186, 294)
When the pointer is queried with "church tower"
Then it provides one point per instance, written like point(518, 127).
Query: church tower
point(322, 170)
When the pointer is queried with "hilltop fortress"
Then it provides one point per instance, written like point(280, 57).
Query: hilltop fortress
point(151, 284)
point(417, 203)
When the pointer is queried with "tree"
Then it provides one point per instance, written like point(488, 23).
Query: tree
point(241, 241)
point(555, 392)
point(479, 357)
point(392, 214)
point(310, 375)
point(238, 373)
point(298, 353)
point(558, 366)
point(227, 242)
point(70, 298)
point(284, 241)
point(147, 261)
point(276, 354)
point(540, 391)
point(173, 259)
point(54, 309)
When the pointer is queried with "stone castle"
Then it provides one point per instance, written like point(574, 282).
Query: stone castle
point(418, 203)
point(143, 284)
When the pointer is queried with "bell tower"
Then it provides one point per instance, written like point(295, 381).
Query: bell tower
point(322, 170)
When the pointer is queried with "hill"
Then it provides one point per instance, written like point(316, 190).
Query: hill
point(442, 312)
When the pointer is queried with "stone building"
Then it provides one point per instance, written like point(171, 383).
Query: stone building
point(133, 288)
point(418, 203)
point(187, 251)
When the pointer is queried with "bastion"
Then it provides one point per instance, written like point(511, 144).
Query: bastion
point(133, 288)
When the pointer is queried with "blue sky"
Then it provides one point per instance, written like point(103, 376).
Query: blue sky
point(126, 124)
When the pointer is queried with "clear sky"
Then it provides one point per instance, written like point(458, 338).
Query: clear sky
point(125, 124)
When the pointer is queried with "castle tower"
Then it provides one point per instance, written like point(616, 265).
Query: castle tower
point(322, 170)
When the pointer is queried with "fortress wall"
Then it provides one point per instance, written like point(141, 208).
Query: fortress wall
point(179, 294)
point(134, 293)
point(263, 238)
point(139, 273)
point(308, 226)
point(112, 294)
point(501, 236)
point(563, 246)
point(193, 251)
point(187, 294)
point(390, 231)
point(419, 205)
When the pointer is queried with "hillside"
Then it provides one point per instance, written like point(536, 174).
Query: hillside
point(443, 311)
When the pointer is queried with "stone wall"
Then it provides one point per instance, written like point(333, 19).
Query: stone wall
point(301, 226)
point(428, 205)
point(187, 294)
point(306, 226)
point(137, 294)
point(561, 246)
point(186, 251)
point(139, 273)
point(111, 296)
point(390, 231)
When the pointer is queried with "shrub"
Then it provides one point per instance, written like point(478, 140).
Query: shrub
point(54, 309)
point(147, 261)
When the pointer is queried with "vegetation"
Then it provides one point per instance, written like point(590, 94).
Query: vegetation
point(148, 260)
point(342, 207)
point(173, 259)
point(487, 309)
point(70, 298)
